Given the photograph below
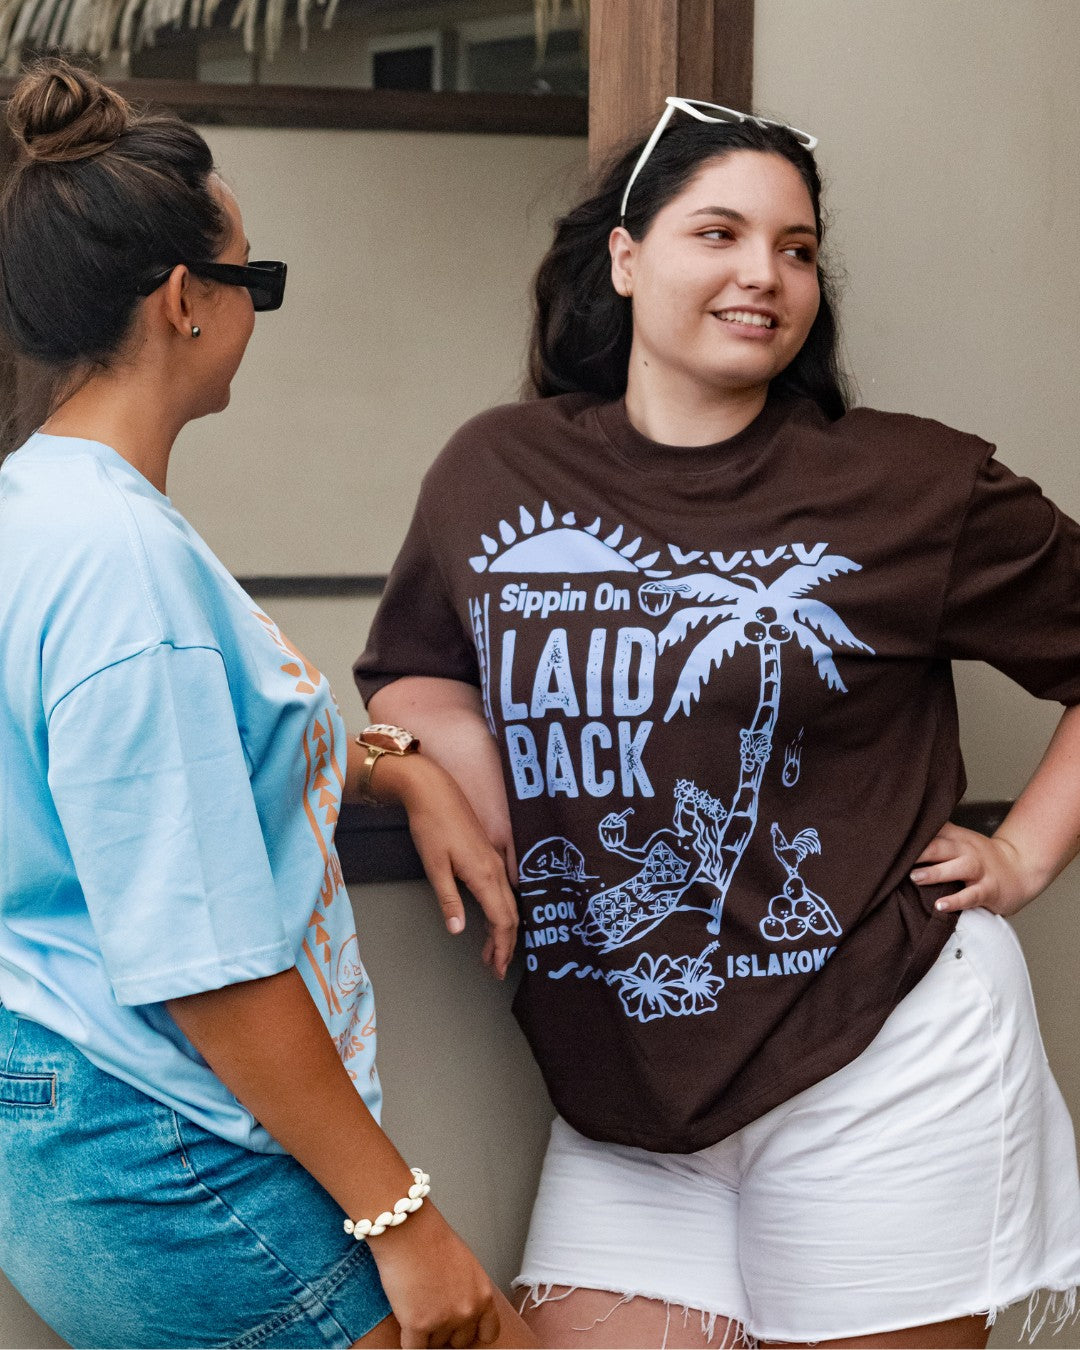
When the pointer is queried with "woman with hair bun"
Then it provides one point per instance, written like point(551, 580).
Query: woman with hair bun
point(190, 1151)
point(681, 627)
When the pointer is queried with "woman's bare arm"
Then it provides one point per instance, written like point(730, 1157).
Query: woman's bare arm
point(1036, 840)
point(448, 717)
point(268, 1044)
point(451, 841)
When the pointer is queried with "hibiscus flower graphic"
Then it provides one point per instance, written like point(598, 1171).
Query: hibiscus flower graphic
point(652, 988)
point(661, 986)
point(699, 982)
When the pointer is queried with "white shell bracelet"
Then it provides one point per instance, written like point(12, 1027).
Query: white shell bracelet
point(408, 1204)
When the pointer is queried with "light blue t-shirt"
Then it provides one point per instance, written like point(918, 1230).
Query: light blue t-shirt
point(171, 771)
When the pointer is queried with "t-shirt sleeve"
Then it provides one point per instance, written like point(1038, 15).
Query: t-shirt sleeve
point(1013, 596)
point(150, 781)
point(417, 629)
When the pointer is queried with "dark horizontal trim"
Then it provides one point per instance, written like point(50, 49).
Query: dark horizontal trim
point(374, 843)
point(983, 817)
point(309, 586)
point(292, 105)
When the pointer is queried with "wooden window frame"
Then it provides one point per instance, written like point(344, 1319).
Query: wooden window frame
point(304, 106)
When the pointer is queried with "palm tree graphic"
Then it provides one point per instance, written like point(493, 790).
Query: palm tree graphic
point(743, 611)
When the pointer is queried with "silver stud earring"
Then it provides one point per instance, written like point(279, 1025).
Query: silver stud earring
point(195, 330)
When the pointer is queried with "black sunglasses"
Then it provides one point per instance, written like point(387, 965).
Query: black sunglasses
point(264, 281)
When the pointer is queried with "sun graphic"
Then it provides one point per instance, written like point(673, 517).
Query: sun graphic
point(550, 545)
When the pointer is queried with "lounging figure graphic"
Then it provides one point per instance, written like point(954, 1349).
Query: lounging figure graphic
point(673, 870)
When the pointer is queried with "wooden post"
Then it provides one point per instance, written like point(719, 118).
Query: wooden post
point(642, 50)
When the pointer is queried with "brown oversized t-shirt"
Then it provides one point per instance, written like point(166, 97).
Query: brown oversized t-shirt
point(719, 681)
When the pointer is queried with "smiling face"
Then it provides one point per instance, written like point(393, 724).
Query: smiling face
point(724, 283)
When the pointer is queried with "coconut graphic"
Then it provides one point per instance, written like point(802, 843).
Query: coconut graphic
point(655, 597)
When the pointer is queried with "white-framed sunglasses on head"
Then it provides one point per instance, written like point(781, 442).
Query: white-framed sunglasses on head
point(704, 112)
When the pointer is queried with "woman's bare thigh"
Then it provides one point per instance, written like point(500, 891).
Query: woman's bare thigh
point(387, 1333)
point(600, 1318)
point(582, 1318)
point(962, 1333)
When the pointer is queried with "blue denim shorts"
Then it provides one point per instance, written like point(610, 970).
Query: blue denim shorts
point(125, 1224)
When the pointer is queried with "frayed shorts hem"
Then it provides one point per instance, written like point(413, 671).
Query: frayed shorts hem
point(1049, 1307)
point(539, 1291)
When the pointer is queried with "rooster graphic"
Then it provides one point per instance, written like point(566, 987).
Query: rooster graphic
point(796, 910)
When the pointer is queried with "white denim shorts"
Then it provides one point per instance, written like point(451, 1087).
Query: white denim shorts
point(933, 1177)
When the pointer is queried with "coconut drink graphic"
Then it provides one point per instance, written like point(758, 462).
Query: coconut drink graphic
point(671, 870)
point(655, 597)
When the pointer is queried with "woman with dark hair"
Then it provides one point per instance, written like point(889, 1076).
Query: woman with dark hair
point(681, 627)
point(190, 1151)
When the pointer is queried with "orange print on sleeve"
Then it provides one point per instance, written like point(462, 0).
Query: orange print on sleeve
point(324, 782)
point(322, 795)
point(300, 668)
point(321, 963)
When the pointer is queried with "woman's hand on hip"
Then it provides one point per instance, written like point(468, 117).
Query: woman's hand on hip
point(1038, 837)
point(990, 869)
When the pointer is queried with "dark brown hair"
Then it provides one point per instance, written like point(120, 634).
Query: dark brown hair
point(583, 329)
point(102, 194)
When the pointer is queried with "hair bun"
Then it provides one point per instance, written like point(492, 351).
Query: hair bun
point(58, 112)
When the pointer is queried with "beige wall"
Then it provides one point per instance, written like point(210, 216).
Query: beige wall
point(949, 137)
point(409, 257)
point(950, 141)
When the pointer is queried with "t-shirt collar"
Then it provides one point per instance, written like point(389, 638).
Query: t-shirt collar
point(651, 456)
point(58, 447)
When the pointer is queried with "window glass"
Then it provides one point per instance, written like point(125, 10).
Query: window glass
point(479, 46)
